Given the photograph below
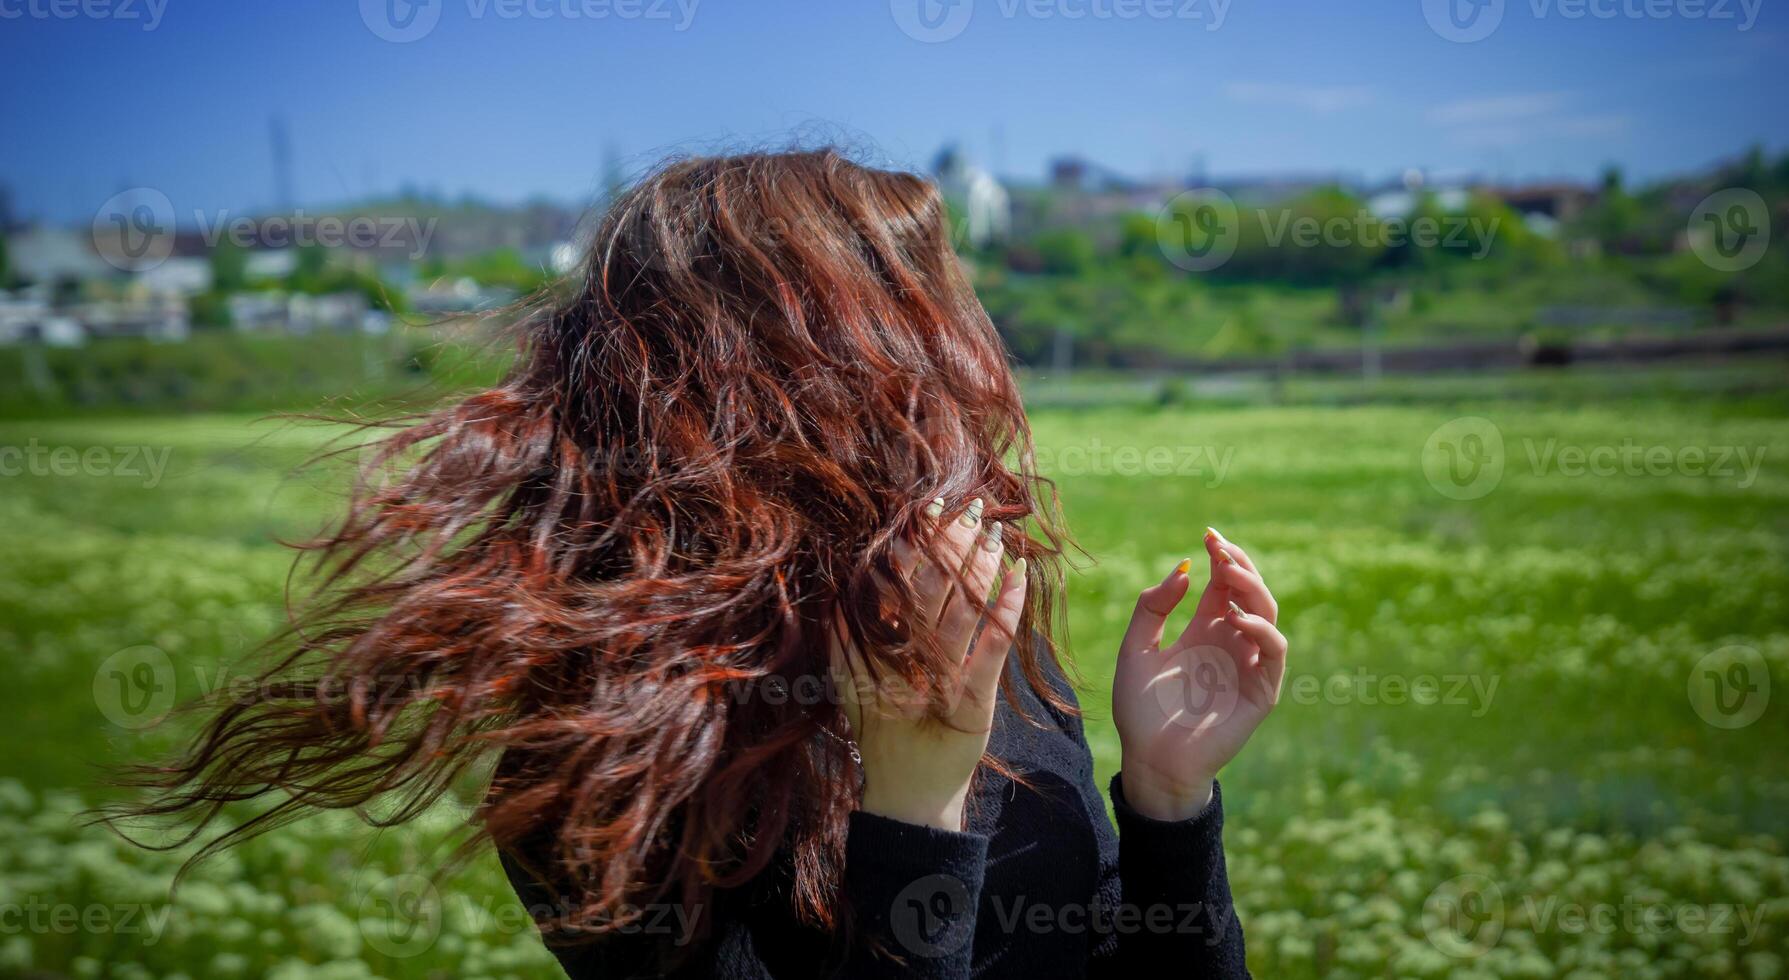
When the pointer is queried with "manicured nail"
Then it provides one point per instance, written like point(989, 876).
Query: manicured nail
point(1224, 557)
point(1018, 572)
point(935, 509)
point(1211, 534)
point(972, 516)
point(1185, 565)
point(990, 541)
point(1236, 610)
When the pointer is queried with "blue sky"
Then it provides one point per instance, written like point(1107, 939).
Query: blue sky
point(516, 98)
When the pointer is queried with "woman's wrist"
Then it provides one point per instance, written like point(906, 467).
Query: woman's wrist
point(1158, 801)
point(914, 809)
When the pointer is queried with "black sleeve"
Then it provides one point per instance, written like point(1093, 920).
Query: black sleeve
point(911, 892)
point(1164, 890)
point(1176, 916)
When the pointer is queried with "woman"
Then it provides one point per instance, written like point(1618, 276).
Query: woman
point(710, 573)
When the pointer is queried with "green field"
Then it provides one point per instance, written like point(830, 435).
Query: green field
point(1566, 784)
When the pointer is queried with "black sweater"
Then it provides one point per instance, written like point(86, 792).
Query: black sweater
point(1039, 885)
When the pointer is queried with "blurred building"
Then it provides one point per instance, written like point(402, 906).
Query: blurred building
point(55, 255)
point(985, 208)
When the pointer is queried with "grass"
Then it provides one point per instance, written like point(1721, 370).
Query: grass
point(1561, 807)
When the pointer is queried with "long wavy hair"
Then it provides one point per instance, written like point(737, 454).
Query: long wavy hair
point(619, 569)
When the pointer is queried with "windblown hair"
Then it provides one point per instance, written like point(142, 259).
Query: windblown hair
point(620, 568)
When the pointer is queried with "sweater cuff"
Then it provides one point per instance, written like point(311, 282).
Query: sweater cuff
point(914, 888)
point(1190, 836)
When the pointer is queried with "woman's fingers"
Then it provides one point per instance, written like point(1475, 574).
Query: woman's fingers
point(957, 625)
point(1215, 542)
point(988, 657)
point(1267, 638)
point(1153, 606)
point(1245, 587)
point(941, 560)
point(1234, 577)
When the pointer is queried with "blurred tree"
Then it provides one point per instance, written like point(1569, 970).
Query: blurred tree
point(1136, 236)
point(1324, 237)
point(1614, 220)
point(503, 268)
point(229, 267)
point(210, 310)
point(1066, 252)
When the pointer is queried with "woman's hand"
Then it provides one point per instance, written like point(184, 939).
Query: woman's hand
point(1185, 710)
point(917, 769)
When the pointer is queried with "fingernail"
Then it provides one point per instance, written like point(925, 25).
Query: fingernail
point(1211, 533)
point(1018, 571)
point(1224, 557)
point(972, 516)
point(935, 508)
point(990, 541)
point(1185, 565)
point(1236, 610)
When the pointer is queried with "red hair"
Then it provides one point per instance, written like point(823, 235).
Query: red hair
point(619, 567)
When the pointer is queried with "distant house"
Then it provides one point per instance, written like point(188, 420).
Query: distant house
point(1450, 195)
point(1081, 192)
point(271, 263)
point(52, 255)
point(462, 295)
point(986, 208)
point(177, 276)
point(160, 318)
point(301, 313)
point(26, 319)
point(1544, 207)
